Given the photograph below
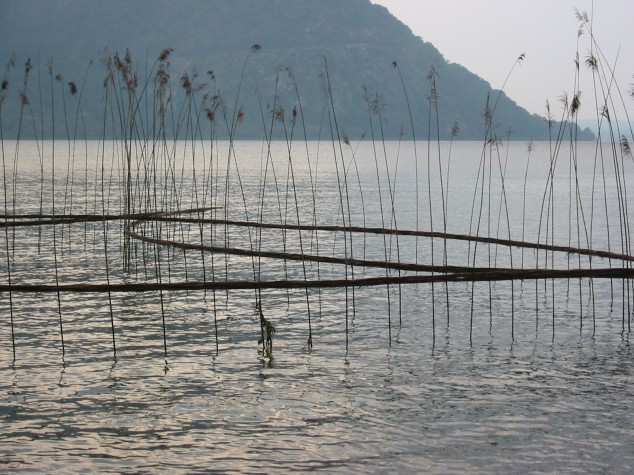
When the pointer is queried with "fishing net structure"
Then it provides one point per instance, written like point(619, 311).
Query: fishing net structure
point(162, 201)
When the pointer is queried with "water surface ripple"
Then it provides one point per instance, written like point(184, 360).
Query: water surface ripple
point(485, 378)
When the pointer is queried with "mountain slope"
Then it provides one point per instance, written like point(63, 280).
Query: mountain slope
point(353, 43)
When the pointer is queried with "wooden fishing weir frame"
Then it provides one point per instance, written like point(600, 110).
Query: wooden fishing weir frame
point(122, 86)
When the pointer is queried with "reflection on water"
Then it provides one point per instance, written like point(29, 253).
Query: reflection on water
point(557, 396)
point(533, 404)
point(496, 405)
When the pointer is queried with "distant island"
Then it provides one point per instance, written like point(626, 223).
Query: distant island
point(264, 57)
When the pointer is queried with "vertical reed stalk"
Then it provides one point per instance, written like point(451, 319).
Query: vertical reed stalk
point(310, 174)
point(374, 105)
point(105, 224)
point(431, 78)
point(336, 139)
point(59, 300)
point(5, 85)
point(455, 130)
point(411, 122)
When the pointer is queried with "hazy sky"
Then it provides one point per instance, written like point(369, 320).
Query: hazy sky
point(487, 36)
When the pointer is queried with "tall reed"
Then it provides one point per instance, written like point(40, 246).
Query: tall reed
point(160, 179)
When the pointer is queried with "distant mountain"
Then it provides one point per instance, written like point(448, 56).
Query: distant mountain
point(359, 48)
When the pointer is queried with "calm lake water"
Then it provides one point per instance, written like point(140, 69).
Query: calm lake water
point(501, 377)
